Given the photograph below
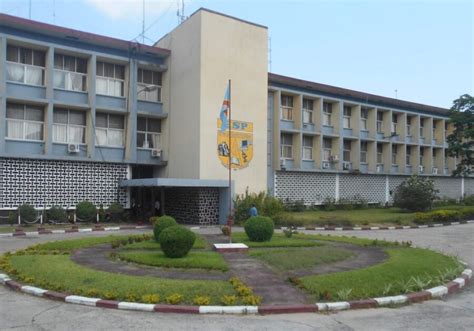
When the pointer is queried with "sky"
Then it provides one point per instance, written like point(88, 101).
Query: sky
point(419, 50)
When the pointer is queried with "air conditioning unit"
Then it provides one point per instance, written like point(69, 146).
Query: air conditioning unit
point(421, 169)
point(282, 164)
point(73, 148)
point(305, 126)
point(156, 152)
point(334, 158)
point(435, 171)
point(325, 165)
point(379, 169)
point(346, 166)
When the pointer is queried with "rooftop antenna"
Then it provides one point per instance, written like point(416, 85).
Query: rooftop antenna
point(270, 53)
point(29, 12)
point(180, 12)
point(143, 22)
point(54, 11)
point(396, 94)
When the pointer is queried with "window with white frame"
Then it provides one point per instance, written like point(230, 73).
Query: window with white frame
point(346, 152)
point(379, 153)
point(149, 85)
point(25, 65)
point(422, 127)
point(409, 126)
point(286, 146)
point(408, 156)
point(434, 153)
point(308, 111)
point(307, 148)
point(422, 154)
point(347, 117)
point(379, 122)
point(434, 130)
point(446, 128)
point(110, 79)
point(70, 73)
point(286, 112)
point(364, 117)
point(69, 126)
point(327, 113)
point(148, 133)
point(327, 147)
point(363, 151)
point(24, 122)
point(445, 158)
point(394, 154)
point(109, 129)
point(394, 123)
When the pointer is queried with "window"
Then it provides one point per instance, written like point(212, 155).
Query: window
point(70, 73)
point(149, 85)
point(307, 148)
point(364, 116)
point(308, 111)
point(434, 153)
point(408, 156)
point(408, 126)
point(327, 147)
point(363, 151)
point(148, 133)
point(109, 130)
point(379, 122)
point(379, 153)
point(25, 65)
point(394, 154)
point(347, 117)
point(422, 153)
point(286, 146)
point(327, 113)
point(69, 126)
point(445, 158)
point(446, 127)
point(394, 123)
point(346, 154)
point(422, 126)
point(24, 122)
point(110, 79)
point(434, 130)
point(286, 108)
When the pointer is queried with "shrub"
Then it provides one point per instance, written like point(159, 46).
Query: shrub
point(467, 213)
point(329, 204)
point(259, 228)
point(150, 298)
point(225, 230)
point(86, 211)
point(57, 213)
point(415, 194)
point(252, 300)
point(174, 299)
point(101, 213)
point(228, 300)
point(161, 223)
point(115, 211)
point(176, 241)
point(201, 300)
point(27, 212)
point(295, 206)
point(265, 204)
point(12, 219)
point(468, 200)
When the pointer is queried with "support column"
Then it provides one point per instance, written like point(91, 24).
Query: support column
point(131, 117)
point(48, 118)
point(3, 87)
point(90, 132)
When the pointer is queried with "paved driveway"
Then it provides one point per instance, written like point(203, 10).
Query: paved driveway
point(23, 312)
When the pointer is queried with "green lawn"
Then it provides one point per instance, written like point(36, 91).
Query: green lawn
point(370, 216)
point(70, 245)
point(388, 278)
point(286, 259)
point(34, 227)
point(345, 239)
point(278, 240)
point(194, 259)
point(60, 273)
point(152, 244)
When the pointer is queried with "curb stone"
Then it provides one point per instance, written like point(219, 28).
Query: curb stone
point(73, 230)
point(432, 293)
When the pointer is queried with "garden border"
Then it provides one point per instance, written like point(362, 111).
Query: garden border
point(19, 232)
point(432, 293)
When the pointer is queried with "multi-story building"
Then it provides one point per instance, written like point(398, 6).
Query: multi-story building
point(88, 117)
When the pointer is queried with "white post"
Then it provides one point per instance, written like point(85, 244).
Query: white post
point(41, 219)
point(97, 217)
point(387, 189)
point(462, 187)
point(19, 219)
point(337, 187)
point(74, 217)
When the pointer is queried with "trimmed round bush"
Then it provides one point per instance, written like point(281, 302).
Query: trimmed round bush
point(176, 241)
point(27, 212)
point(115, 211)
point(57, 213)
point(161, 223)
point(259, 228)
point(86, 211)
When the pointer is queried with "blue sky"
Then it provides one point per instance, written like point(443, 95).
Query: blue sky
point(422, 49)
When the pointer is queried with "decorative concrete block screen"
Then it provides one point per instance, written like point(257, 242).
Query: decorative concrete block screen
point(313, 187)
point(193, 205)
point(44, 183)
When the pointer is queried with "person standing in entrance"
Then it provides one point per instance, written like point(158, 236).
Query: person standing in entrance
point(157, 208)
point(253, 211)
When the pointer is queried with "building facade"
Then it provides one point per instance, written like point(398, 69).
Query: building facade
point(88, 117)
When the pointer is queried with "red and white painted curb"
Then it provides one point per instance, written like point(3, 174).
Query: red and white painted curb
point(432, 293)
point(19, 232)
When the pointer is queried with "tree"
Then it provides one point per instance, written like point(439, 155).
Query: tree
point(461, 140)
point(415, 194)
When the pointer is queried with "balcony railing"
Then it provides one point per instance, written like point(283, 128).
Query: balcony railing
point(25, 74)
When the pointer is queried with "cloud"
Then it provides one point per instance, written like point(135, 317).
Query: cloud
point(130, 9)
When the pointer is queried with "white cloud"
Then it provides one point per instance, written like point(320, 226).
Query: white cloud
point(130, 9)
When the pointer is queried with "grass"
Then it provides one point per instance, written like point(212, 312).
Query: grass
point(403, 264)
point(345, 239)
point(286, 259)
point(70, 245)
point(194, 259)
point(200, 243)
point(59, 271)
point(370, 216)
point(34, 227)
point(278, 240)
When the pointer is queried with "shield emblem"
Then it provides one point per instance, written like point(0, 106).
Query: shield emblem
point(240, 150)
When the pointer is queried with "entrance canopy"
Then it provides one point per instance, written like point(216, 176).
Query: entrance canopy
point(174, 182)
